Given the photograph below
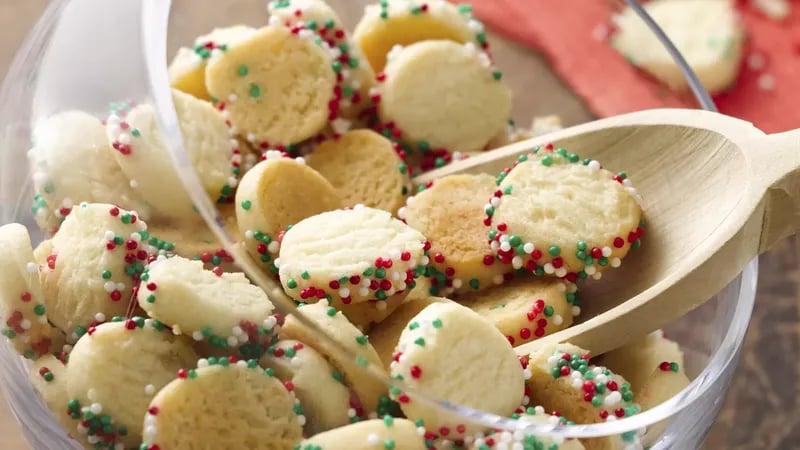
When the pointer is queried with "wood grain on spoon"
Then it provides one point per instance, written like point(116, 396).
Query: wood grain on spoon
point(716, 193)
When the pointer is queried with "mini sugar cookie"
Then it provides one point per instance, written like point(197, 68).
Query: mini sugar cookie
point(449, 214)
point(387, 433)
point(526, 309)
point(277, 85)
point(352, 255)
point(385, 336)
point(365, 168)
point(563, 380)
point(187, 71)
point(275, 194)
point(554, 213)
point(96, 259)
point(404, 22)
point(441, 94)
point(496, 439)
point(317, 385)
point(708, 33)
point(23, 314)
point(226, 309)
point(144, 158)
point(317, 16)
point(442, 343)
point(223, 405)
point(115, 370)
point(368, 389)
point(636, 360)
point(661, 385)
point(73, 163)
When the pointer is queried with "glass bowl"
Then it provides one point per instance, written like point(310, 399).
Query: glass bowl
point(85, 54)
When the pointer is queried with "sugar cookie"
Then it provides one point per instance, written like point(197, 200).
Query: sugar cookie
point(496, 439)
point(353, 255)
point(443, 94)
point(387, 433)
point(187, 71)
point(404, 22)
point(317, 16)
point(115, 370)
point(223, 405)
point(277, 86)
point(365, 168)
point(385, 336)
point(636, 360)
point(325, 399)
point(708, 33)
point(72, 163)
point(226, 310)
point(368, 389)
point(450, 353)
point(449, 214)
point(23, 314)
point(144, 158)
point(527, 309)
point(96, 260)
point(563, 380)
point(579, 226)
point(661, 385)
point(275, 194)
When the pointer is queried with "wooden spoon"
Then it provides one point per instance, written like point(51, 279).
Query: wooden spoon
point(716, 193)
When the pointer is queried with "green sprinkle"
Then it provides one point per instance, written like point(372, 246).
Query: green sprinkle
point(420, 341)
point(596, 401)
point(291, 283)
point(402, 168)
point(246, 204)
point(331, 311)
point(554, 250)
point(474, 283)
point(337, 376)
point(437, 323)
point(497, 75)
point(673, 366)
point(305, 275)
point(151, 298)
point(424, 146)
point(548, 311)
point(336, 66)
point(39, 310)
point(380, 273)
point(362, 340)
point(361, 361)
point(555, 372)
point(388, 420)
point(547, 160)
point(269, 372)
point(255, 91)
point(465, 8)
point(603, 261)
point(388, 444)
point(242, 71)
point(413, 326)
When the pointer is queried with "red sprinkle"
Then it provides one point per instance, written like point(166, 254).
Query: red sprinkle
point(183, 374)
point(416, 372)
point(153, 411)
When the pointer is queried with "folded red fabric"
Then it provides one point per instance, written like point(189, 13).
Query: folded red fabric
point(571, 34)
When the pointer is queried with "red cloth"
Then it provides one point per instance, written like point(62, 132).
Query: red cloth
point(563, 30)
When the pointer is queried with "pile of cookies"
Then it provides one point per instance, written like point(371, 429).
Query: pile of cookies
point(144, 333)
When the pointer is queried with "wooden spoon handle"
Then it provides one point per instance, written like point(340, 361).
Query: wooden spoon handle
point(777, 163)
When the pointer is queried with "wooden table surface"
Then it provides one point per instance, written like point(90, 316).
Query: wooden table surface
point(761, 410)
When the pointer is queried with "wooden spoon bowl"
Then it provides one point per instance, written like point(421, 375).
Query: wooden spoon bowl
point(716, 193)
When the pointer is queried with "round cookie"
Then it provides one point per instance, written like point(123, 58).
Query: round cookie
point(351, 255)
point(223, 405)
point(275, 194)
point(449, 352)
point(325, 400)
point(368, 389)
point(441, 94)
point(526, 309)
point(404, 22)
point(72, 163)
point(144, 158)
point(365, 168)
point(226, 310)
point(385, 336)
point(563, 380)
point(116, 369)
point(97, 257)
point(317, 16)
point(277, 86)
point(448, 213)
point(389, 432)
point(23, 314)
point(661, 385)
point(576, 227)
point(636, 360)
point(187, 71)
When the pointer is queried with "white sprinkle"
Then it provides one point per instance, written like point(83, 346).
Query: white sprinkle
point(31, 267)
point(237, 330)
point(606, 251)
point(108, 286)
point(505, 246)
point(96, 408)
point(528, 248)
point(251, 137)
point(615, 262)
point(576, 311)
point(351, 412)
point(201, 363)
point(561, 272)
point(363, 292)
point(93, 439)
point(766, 82)
point(149, 390)
point(232, 341)
point(120, 286)
point(344, 292)
point(590, 269)
point(552, 361)
point(242, 364)
point(516, 262)
point(495, 201)
point(517, 445)
point(457, 283)
point(527, 374)
point(134, 184)
point(549, 269)
point(756, 61)
point(232, 98)
point(274, 247)
point(25, 324)
point(270, 322)
point(109, 235)
point(594, 165)
point(612, 399)
point(373, 439)
point(539, 410)
point(577, 383)
point(100, 317)
point(425, 260)
point(197, 336)
point(558, 320)
point(597, 275)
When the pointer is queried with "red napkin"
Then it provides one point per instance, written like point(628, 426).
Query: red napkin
point(570, 33)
